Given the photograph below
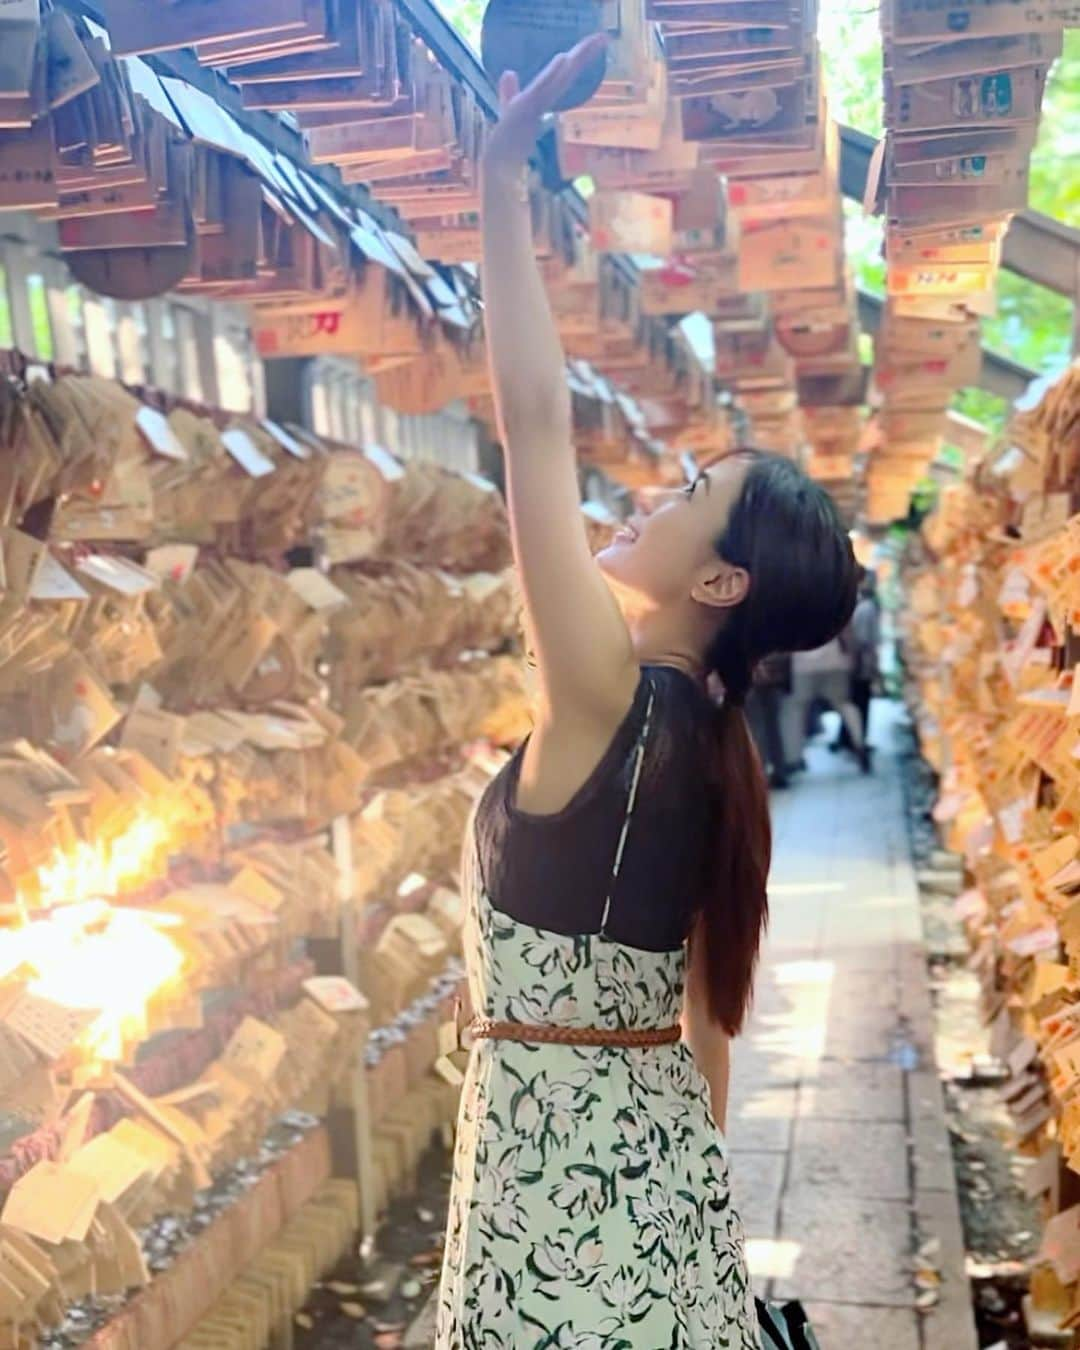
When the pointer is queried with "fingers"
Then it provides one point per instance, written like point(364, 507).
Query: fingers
point(588, 49)
point(549, 82)
point(550, 85)
point(538, 96)
point(527, 108)
point(509, 88)
point(579, 58)
point(561, 72)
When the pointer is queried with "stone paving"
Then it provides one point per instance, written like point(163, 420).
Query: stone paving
point(839, 1153)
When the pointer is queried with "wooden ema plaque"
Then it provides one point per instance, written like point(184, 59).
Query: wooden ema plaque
point(176, 1299)
point(136, 27)
point(133, 273)
point(524, 35)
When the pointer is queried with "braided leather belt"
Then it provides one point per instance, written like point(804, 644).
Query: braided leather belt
point(486, 1029)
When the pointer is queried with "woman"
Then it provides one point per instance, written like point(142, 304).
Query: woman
point(590, 1203)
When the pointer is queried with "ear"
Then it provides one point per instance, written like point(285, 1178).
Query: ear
point(721, 585)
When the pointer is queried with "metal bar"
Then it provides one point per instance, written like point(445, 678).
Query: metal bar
point(1045, 251)
point(1076, 313)
point(1000, 375)
point(1038, 247)
point(451, 50)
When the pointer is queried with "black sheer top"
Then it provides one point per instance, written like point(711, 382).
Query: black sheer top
point(554, 871)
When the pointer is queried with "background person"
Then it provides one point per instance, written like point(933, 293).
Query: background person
point(864, 637)
point(823, 675)
point(764, 708)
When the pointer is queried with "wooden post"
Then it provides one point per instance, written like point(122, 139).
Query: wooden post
point(16, 260)
point(341, 844)
point(205, 355)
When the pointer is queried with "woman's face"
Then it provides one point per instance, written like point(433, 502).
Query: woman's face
point(659, 555)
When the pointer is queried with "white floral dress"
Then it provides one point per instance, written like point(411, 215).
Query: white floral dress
point(590, 1205)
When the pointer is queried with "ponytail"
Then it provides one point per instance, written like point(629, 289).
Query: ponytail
point(785, 533)
point(735, 904)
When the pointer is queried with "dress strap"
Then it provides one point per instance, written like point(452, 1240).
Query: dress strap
point(631, 802)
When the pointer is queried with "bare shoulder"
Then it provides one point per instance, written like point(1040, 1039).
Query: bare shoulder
point(567, 746)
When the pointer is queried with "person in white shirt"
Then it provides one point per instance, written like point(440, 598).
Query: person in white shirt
point(825, 675)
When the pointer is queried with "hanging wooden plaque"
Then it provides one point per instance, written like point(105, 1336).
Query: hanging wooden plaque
point(136, 27)
point(132, 273)
point(20, 26)
point(524, 35)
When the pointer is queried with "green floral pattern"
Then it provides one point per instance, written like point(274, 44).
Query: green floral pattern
point(590, 1207)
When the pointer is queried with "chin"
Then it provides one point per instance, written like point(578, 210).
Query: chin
point(612, 565)
point(611, 561)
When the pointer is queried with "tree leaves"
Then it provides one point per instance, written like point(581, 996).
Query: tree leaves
point(466, 16)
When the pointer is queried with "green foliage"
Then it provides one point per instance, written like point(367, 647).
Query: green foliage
point(850, 38)
point(864, 242)
point(40, 321)
point(466, 16)
point(7, 330)
point(951, 457)
point(1032, 325)
point(1035, 325)
point(1055, 185)
point(924, 497)
point(982, 406)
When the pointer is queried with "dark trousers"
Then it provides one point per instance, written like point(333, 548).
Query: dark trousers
point(763, 709)
point(861, 693)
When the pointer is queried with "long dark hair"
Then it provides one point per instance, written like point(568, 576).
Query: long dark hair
point(784, 530)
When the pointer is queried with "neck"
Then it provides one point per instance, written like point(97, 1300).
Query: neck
point(655, 644)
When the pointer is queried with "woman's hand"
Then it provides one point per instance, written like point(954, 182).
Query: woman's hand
point(522, 111)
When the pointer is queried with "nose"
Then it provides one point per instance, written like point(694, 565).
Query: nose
point(648, 502)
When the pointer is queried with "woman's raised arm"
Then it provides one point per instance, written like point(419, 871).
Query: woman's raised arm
point(585, 660)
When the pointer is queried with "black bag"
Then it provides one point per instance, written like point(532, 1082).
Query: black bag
point(785, 1327)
